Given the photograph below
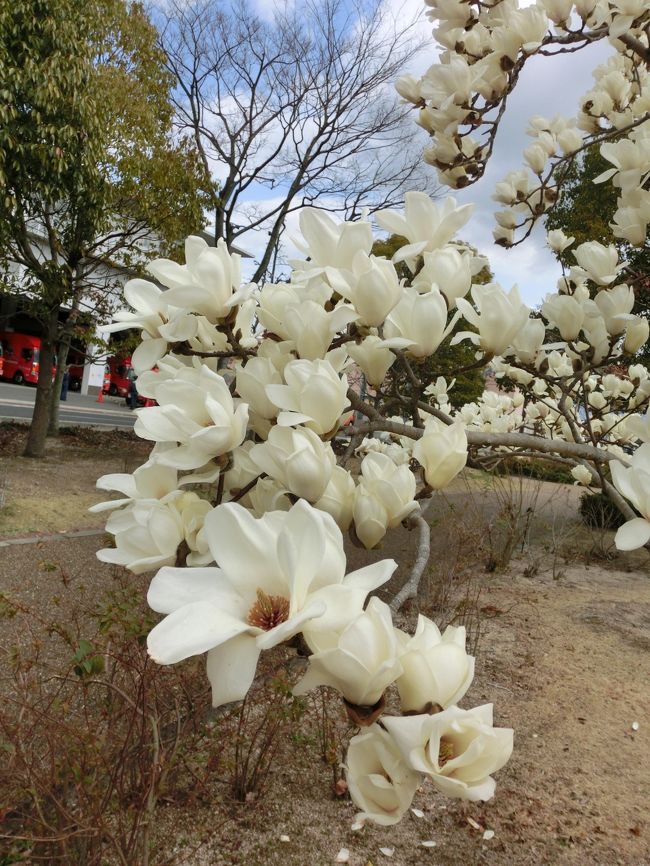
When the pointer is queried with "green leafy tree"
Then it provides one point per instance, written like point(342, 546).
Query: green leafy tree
point(584, 211)
point(89, 170)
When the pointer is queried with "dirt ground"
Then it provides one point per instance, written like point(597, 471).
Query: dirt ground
point(562, 639)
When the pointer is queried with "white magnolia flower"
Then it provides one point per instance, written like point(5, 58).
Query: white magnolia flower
point(197, 411)
point(528, 342)
point(420, 319)
point(458, 749)
point(582, 475)
point(338, 498)
point(615, 306)
point(160, 322)
point(372, 287)
point(360, 660)
point(315, 395)
point(600, 262)
point(450, 269)
point(441, 451)
point(437, 669)
point(426, 225)
point(252, 379)
point(374, 356)
point(149, 481)
point(633, 482)
point(312, 328)
point(500, 318)
point(566, 313)
point(393, 487)
point(147, 534)
point(297, 459)
point(209, 283)
point(331, 243)
point(276, 574)
point(636, 334)
point(379, 781)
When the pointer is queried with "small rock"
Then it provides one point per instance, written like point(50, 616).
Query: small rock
point(635, 726)
point(418, 813)
point(489, 834)
point(343, 856)
point(285, 839)
point(428, 843)
point(387, 852)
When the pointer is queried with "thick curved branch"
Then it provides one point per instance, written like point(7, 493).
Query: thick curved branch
point(410, 588)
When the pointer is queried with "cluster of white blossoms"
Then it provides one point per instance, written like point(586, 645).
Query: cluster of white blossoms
point(242, 504)
point(461, 99)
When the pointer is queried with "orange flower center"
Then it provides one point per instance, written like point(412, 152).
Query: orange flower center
point(446, 752)
point(268, 611)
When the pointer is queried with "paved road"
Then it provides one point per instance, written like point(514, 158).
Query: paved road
point(17, 402)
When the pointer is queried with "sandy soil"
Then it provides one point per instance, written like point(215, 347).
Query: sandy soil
point(562, 650)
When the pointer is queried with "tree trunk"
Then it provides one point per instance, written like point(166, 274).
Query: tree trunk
point(41, 418)
point(55, 400)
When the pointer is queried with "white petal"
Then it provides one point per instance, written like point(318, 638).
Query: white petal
point(192, 630)
point(173, 588)
point(635, 533)
point(231, 669)
point(148, 353)
point(243, 546)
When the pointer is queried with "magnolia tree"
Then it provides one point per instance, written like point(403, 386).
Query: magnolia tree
point(243, 502)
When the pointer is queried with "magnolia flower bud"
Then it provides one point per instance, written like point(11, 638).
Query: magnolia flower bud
point(437, 670)
point(297, 459)
point(442, 452)
point(499, 319)
point(252, 380)
point(558, 241)
point(636, 335)
point(338, 498)
point(582, 475)
point(565, 313)
point(360, 661)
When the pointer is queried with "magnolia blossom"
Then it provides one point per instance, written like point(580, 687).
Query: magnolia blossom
point(633, 482)
point(451, 270)
point(426, 225)
point(384, 497)
point(599, 262)
point(566, 313)
point(328, 242)
point(372, 287)
point(297, 459)
point(148, 532)
point(360, 661)
point(421, 319)
point(160, 322)
point(500, 317)
point(252, 380)
point(380, 782)
point(374, 356)
point(276, 574)
point(437, 670)
point(315, 395)
point(209, 281)
point(442, 452)
point(458, 749)
point(582, 475)
point(197, 411)
point(338, 498)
